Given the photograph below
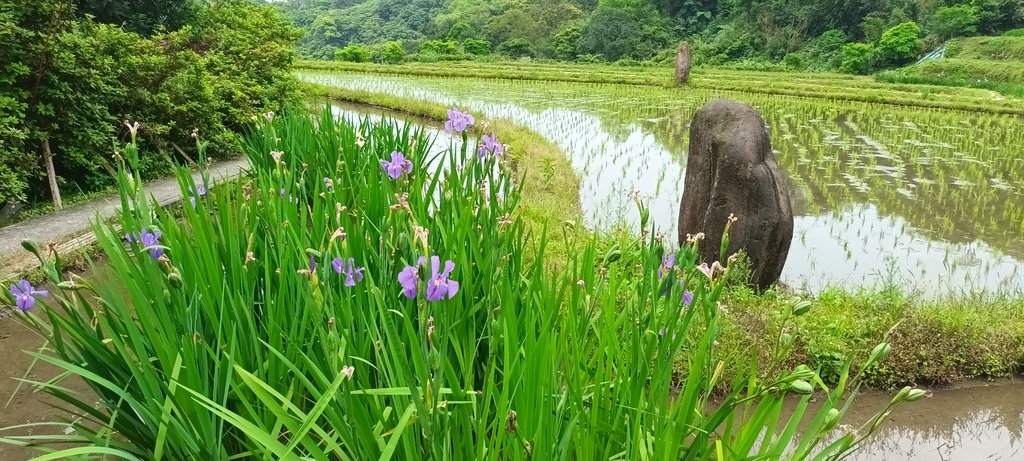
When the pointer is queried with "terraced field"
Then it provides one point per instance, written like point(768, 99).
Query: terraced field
point(928, 199)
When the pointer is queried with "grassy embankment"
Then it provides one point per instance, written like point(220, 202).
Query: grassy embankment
point(934, 341)
point(990, 63)
point(826, 86)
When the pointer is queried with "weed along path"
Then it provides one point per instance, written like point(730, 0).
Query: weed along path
point(69, 230)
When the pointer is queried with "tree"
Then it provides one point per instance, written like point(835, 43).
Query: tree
point(567, 40)
point(477, 46)
point(857, 58)
point(900, 44)
point(393, 53)
point(141, 16)
point(439, 47)
point(516, 48)
point(954, 21)
point(354, 53)
point(625, 29)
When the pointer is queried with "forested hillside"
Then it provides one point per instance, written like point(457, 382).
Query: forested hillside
point(806, 34)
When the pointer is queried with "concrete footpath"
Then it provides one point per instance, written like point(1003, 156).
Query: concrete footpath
point(71, 228)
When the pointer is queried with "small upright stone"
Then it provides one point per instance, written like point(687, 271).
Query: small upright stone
point(682, 63)
point(730, 169)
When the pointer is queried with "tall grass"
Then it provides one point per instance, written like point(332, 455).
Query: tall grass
point(234, 337)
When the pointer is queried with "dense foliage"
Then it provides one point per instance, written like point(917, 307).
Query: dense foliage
point(803, 34)
point(68, 77)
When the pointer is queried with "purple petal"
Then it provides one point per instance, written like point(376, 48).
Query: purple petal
point(449, 266)
point(687, 298)
point(337, 264)
point(435, 265)
point(453, 287)
point(436, 289)
point(25, 302)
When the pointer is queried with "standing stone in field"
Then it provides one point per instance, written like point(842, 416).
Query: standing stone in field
point(730, 169)
point(682, 63)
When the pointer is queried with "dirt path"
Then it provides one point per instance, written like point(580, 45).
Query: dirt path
point(69, 229)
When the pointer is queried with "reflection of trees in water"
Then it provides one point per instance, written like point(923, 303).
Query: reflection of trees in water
point(982, 423)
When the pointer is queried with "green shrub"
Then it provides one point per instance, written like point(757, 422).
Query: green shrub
point(516, 48)
point(954, 21)
point(439, 47)
point(795, 61)
point(1014, 33)
point(899, 44)
point(857, 58)
point(354, 53)
point(478, 47)
point(392, 53)
point(231, 62)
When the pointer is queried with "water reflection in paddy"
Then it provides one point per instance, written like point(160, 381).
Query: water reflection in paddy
point(925, 199)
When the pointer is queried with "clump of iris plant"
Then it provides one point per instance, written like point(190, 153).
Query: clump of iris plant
point(458, 121)
point(439, 285)
point(25, 295)
point(352, 273)
point(489, 145)
point(398, 165)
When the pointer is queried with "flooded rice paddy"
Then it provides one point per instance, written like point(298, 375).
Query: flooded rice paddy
point(929, 201)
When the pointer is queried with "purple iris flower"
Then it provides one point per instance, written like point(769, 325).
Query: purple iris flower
point(397, 166)
point(489, 145)
point(312, 264)
point(458, 121)
point(24, 294)
point(439, 285)
point(687, 298)
point(667, 264)
point(353, 274)
point(409, 278)
point(329, 183)
point(199, 192)
point(149, 240)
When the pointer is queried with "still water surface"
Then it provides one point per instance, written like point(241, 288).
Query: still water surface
point(927, 200)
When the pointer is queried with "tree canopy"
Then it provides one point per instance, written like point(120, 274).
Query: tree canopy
point(719, 30)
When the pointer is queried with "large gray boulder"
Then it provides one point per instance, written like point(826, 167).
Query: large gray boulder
point(730, 169)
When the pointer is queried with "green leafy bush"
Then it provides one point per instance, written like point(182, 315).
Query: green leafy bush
point(476, 46)
point(857, 58)
point(354, 53)
point(899, 44)
point(516, 48)
point(441, 47)
point(954, 21)
point(392, 53)
point(231, 62)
